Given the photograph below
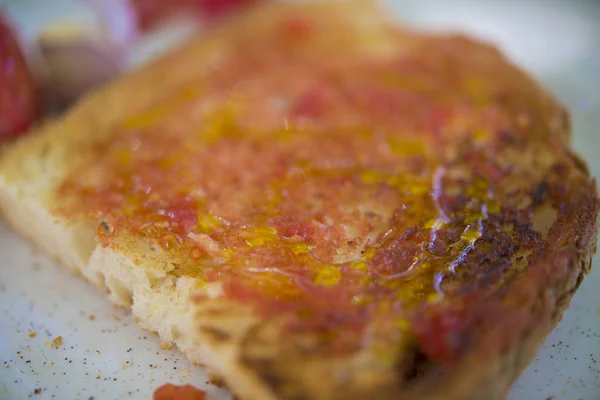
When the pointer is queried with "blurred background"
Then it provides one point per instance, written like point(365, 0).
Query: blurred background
point(558, 41)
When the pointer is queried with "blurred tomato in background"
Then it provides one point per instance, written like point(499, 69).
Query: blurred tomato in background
point(152, 11)
point(75, 58)
point(19, 98)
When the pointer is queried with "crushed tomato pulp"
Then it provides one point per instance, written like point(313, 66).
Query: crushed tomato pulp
point(326, 193)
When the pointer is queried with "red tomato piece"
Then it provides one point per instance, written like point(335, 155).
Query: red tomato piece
point(19, 98)
point(213, 9)
point(173, 392)
point(151, 12)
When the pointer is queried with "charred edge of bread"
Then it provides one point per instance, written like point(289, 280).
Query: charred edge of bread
point(474, 377)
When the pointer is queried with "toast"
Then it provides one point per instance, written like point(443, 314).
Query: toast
point(315, 203)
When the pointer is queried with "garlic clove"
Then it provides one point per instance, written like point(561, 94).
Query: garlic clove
point(118, 20)
point(78, 58)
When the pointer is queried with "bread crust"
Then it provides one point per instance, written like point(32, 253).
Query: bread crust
point(540, 241)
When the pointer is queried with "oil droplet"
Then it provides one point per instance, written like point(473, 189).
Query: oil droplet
point(328, 276)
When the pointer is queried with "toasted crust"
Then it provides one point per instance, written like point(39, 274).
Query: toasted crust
point(520, 256)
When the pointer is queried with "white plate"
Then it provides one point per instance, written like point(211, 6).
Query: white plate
point(105, 356)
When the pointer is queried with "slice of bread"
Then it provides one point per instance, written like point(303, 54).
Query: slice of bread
point(317, 204)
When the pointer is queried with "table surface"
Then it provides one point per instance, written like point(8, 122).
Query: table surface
point(105, 356)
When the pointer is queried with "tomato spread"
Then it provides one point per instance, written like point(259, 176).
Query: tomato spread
point(328, 191)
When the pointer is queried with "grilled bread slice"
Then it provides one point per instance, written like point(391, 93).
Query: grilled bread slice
point(317, 204)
